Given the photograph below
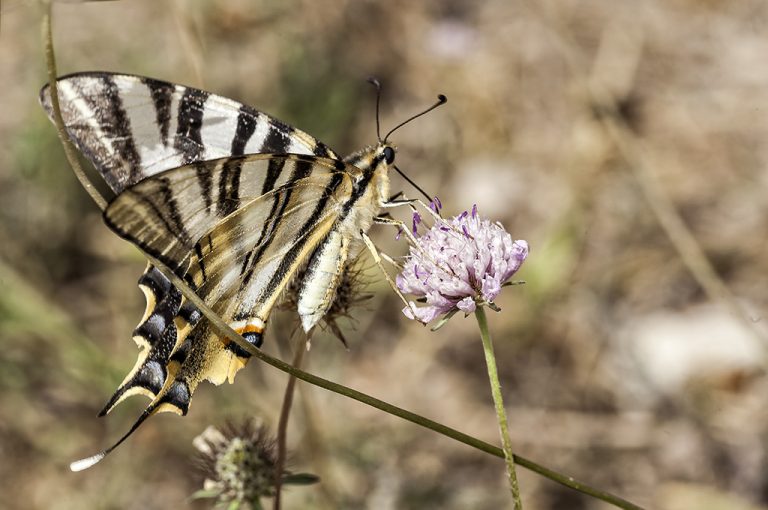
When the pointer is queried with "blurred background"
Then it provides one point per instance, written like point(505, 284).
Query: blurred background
point(624, 140)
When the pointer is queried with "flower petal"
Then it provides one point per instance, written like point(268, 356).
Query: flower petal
point(422, 313)
point(491, 288)
point(466, 305)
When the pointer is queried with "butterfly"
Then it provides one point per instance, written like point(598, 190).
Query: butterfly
point(238, 204)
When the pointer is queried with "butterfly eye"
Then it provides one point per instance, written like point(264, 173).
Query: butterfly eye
point(389, 155)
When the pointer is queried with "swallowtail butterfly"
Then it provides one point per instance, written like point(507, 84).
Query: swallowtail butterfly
point(234, 202)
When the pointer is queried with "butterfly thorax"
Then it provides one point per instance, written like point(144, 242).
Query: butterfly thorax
point(371, 181)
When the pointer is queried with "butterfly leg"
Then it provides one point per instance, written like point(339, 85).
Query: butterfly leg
point(402, 227)
point(387, 220)
point(392, 261)
point(377, 259)
point(411, 202)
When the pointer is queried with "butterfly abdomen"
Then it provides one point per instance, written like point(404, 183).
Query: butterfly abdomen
point(343, 244)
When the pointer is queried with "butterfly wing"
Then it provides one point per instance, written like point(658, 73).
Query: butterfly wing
point(135, 129)
point(132, 127)
point(237, 262)
point(220, 193)
point(167, 321)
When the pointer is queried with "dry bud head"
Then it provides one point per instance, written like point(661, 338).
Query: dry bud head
point(238, 461)
point(239, 465)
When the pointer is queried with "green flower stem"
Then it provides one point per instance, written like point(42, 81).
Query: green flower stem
point(225, 331)
point(282, 428)
point(493, 377)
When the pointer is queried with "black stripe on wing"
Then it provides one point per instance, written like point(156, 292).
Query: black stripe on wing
point(302, 169)
point(229, 185)
point(118, 126)
point(162, 96)
point(302, 236)
point(189, 123)
point(132, 127)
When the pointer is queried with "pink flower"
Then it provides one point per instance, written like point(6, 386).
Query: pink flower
point(459, 264)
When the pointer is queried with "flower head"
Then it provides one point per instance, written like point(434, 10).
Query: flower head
point(239, 462)
point(459, 264)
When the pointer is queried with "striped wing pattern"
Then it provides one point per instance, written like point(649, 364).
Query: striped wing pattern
point(233, 201)
point(132, 127)
point(238, 263)
point(167, 321)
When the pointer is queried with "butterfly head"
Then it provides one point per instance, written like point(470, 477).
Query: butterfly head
point(383, 154)
point(388, 153)
point(375, 157)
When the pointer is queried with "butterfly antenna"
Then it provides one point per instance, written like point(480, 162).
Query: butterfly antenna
point(375, 83)
point(82, 464)
point(441, 100)
point(429, 198)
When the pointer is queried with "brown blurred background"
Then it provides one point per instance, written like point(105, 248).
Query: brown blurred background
point(576, 124)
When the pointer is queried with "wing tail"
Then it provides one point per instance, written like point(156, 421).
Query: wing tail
point(166, 322)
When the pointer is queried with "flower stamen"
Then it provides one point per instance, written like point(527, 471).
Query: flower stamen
point(416, 221)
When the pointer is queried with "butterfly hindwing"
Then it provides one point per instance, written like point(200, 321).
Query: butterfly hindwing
point(165, 325)
point(132, 127)
point(277, 195)
point(239, 265)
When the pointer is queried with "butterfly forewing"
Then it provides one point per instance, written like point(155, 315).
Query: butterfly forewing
point(132, 127)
